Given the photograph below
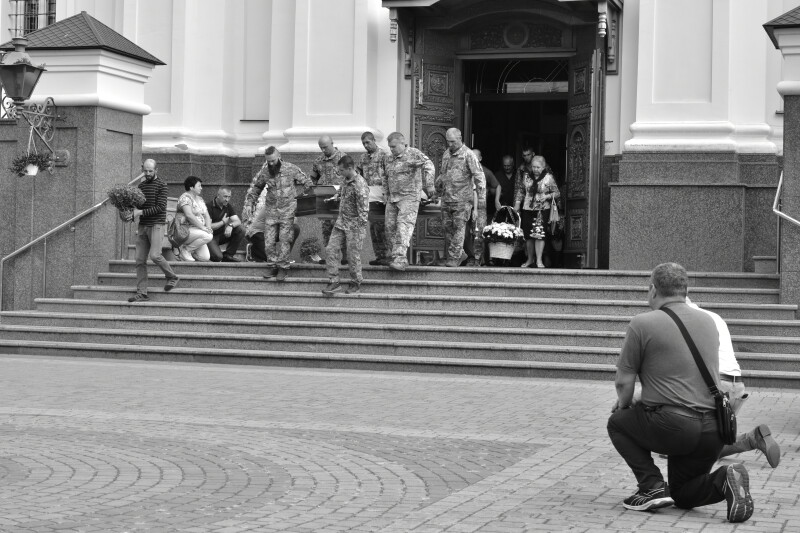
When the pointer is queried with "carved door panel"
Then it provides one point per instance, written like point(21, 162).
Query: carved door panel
point(584, 142)
point(435, 91)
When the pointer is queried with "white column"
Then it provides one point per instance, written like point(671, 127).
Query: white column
point(341, 77)
point(700, 63)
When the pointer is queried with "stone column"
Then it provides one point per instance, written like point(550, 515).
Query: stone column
point(696, 178)
point(789, 43)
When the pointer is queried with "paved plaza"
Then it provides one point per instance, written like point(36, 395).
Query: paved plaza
point(115, 446)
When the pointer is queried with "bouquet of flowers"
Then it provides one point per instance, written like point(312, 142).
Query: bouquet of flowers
point(502, 232)
point(309, 250)
point(125, 198)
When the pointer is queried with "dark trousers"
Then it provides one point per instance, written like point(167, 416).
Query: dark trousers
point(234, 241)
point(258, 252)
point(691, 442)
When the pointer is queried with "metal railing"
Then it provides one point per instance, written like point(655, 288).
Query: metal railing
point(776, 208)
point(43, 238)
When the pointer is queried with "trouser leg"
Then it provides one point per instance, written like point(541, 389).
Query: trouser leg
point(327, 228)
point(234, 241)
point(142, 251)
point(257, 251)
point(284, 244)
point(405, 221)
point(155, 236)
point(270, 238)
point(455, 222)
point(377, 232)
point(333, 253)
point(355, 242)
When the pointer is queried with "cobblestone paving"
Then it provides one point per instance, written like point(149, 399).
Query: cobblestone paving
point(118, 446)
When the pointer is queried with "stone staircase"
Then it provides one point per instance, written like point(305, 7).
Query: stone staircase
point(492, 321)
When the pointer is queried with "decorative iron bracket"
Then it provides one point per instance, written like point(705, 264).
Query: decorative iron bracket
point(41, 119)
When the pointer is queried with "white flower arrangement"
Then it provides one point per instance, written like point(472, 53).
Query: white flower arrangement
point(502, 232)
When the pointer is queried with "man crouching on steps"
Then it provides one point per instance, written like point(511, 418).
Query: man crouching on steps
point(676, 414)
point(351, 226)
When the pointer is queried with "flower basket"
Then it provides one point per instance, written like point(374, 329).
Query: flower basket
point(126, 198)
point(29, 164)
point(503, 233)
point(500, 250)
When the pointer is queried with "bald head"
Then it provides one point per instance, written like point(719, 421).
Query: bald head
point(477, 154)
point(326, 145)
point(149, 169)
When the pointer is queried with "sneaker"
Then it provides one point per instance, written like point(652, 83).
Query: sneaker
point(139, 297)
point(397, 265)
point(645, 500)
point(185, 255)
point(282, 272)
point(171, 284)
point(472, 262)
point(229, 259)
point(333, 287)
point(272, 273)
point(376, 262)
point(737, 493)
point(354, 288)
point(248, 252)
point(767, 445)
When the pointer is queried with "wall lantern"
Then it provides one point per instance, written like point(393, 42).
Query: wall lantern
point(19, 77)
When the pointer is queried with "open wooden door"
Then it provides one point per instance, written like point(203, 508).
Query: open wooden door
point(436, 95)
point(584, 155)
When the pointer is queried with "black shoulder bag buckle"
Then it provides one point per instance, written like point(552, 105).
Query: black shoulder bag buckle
point(726, 417)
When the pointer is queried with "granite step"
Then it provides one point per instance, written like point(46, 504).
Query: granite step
point(477, 318)
point(472, 274)
point(489, 367)
point(422, 302)
point(322, 345)
point(441, 288)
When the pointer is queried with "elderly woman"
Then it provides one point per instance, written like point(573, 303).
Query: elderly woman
point(193, 209)
point(535, 194)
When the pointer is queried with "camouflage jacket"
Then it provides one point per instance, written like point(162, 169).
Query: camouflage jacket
point(406, 174)
point(278, 193)
point(460, 171)
point(372, 166)
point(325, 170)
point(353, 204)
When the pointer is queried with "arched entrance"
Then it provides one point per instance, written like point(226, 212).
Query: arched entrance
point(512, 74)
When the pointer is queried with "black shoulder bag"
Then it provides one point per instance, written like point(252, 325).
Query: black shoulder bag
point(726, 417)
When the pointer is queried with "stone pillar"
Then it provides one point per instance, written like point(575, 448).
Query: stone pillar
point(100, 101)
point(696, 178)
point(789, 43)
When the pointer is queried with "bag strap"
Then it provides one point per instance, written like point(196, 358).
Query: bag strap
point(695, 353)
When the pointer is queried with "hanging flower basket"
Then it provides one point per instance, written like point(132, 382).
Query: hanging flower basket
point(30, 164)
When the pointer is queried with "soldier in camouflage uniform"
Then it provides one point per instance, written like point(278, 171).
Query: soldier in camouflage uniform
point(324, 171)
point(371, 166)
point(460, 172)
point(279, 200)
point(402, 188)
point(351, 226)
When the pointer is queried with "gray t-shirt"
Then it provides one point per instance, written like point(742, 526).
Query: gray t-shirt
point(655, 350)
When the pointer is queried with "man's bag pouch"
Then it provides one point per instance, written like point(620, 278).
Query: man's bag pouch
point(726, 418)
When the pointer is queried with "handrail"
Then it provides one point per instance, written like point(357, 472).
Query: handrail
point(41, 238)
point(775, 205)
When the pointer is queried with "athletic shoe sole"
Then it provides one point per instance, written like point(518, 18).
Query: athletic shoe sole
point(649, 505)
point(737, 493)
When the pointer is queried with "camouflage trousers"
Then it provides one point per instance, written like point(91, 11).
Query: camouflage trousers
point(333, 253)
point(377, 231)
point(281, 231)
point(473, 239)
point(327, 228)
point(401, 218)
point(454, 223)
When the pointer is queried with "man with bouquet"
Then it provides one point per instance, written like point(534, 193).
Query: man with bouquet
point(150, 232)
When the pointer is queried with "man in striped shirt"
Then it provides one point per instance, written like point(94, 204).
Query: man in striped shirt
point(152, 221)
